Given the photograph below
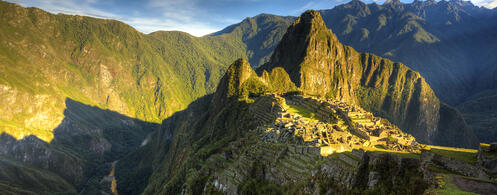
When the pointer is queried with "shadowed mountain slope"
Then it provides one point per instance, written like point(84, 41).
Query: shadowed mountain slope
point(85, 144)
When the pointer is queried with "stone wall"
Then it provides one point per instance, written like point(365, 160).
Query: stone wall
point(463, 168)
point(305, 150)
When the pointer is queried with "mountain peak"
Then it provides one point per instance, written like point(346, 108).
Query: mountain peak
point(310, 15)
point(231, 83)
point(310, 20)
point(307, 34)
point(236, 75)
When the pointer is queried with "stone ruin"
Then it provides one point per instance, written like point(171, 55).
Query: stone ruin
point(342, 127)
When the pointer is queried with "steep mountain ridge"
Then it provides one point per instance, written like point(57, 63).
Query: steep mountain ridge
point(319, 64)
point(53, 86)
point(447, 38)
point(60, 77)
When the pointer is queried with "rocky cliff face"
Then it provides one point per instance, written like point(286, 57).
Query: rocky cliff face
point(319, 64)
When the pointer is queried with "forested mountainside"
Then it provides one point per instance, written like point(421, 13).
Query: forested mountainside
point(197, 72)
point(260, 34)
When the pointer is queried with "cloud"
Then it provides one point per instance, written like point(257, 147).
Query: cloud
point(148, 25)
point(486, 3)
point(317, 4)
point(73, 7)
point(181, 15)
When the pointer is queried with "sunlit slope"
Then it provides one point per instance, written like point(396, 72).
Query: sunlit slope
point(45, 58)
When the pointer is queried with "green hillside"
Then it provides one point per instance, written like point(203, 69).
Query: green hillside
point(47, 58)
point(80, 96)
point(261, 34)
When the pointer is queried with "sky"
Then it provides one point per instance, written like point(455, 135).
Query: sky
point(197, 17)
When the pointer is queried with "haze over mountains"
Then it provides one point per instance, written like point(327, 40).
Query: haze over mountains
point(79, 95)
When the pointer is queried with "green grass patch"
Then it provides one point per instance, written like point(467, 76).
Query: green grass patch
point(380, 148)
point(303, 112)
point(462, 154)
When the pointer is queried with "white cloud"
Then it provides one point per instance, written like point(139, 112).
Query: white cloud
point(316, 4)
point(486, 3)
point(73, 7)
point(178, 15)
point(148, 25)
point(182, 15)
